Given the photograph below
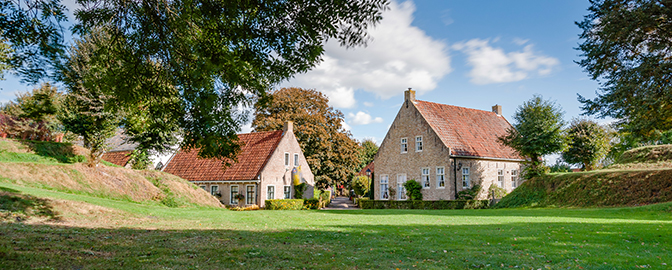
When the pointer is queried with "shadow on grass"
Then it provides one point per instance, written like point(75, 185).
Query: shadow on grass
point(519, 245)
point(61, 152)
point(18, 207)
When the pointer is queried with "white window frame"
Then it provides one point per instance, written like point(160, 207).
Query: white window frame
point(424, 175)
point(287, 192)
point(233, 200)
point(214, 189)
point(204, 187)
point(268, 189)
point(514, 178)
point(500, 178)
point(286, 159)
point(384, 187)
point(440, 177)
point(247, 194)
point(401, 191)
point(404, 145)
point(418, 144)
point(296, 160)
point(466, 182)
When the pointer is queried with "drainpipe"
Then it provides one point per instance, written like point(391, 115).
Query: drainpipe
point(455, 179)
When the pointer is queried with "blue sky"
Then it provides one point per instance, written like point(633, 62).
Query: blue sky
point(472, 54)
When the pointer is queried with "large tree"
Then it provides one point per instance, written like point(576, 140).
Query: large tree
point(367, 152)
point(627, 47)
point(330, 151)
point(537, 131)
point(218, 55)
point(588, 143)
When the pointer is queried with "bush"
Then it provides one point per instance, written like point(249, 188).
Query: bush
point(285, 204)
point(313, 203)
point(361, 185)
point(413, 190)
point(325, 196)
point(469, 194)
point(298, 191)
point(426, 205)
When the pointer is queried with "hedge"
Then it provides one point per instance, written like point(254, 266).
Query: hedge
point(286, 204)
point(427, 205)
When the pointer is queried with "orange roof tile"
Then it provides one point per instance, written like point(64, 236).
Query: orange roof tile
point(468, 132)
point(369, 167)
point(254, 154)
point(118, 157)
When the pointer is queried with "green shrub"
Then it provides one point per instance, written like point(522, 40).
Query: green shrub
point(469, 194)
point(312, 203)
point(298, 190)
point(361, 185)
point(426, 205)
point(285, 204)
point(325, 196)
point(497, 191)
point(413, 190)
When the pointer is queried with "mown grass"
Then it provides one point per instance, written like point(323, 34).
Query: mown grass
point(158, 237)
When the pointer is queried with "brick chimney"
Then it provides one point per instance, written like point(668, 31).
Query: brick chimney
point(497, 109)
point(409, 95)
point(289, 126)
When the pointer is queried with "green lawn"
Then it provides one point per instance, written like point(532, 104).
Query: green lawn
point(156, 237)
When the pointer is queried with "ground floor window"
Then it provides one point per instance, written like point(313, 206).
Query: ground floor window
point(401, 191)
point(234, 195)
point(465, 177)
point(204, 187)
point(440, 177)
point(288, 192)
point(500, 178)
point(270, 192)
point(250, 195)
point(514, 178)
point(425, 178)
point(384, 188)
point(214, 190)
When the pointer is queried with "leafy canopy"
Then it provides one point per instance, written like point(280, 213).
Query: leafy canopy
point(413, 190)
point(330, 151)
point(361, 185)
point(216, 56)
point(537, 131)
point(588, 143)
point(367, 152)
point(626, 46)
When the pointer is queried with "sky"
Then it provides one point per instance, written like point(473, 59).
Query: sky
point(472, 54)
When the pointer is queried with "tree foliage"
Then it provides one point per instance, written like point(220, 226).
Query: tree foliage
point(367, 152)
point(413, 190)
point(588, 144)
point(218, 56)
point(40, 105)
point(330, 151)
point(627, 46)
point(537, 131)
point(32, 30)
point(361, 185)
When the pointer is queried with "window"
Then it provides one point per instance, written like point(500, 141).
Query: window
point(296, 160)
point(288, 192)
point(401, 191)
point(234, 194)
point(465, 178)
point(270, 192)
point(250, 198)
point(214, 190)
point(384, 188)
point(514, 178)
point(404, 145)
point(286, 159)
point(418, 144)
point(500, 178)
point(440, 177)
point(425, 178)
point(204, 187)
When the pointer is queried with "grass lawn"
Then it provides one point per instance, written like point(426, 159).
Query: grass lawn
point(108, 234)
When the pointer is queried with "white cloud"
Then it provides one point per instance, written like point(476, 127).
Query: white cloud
point(345, 125)
point(362, 118)
point(446, 18)
point(493, 65)
point(520, 41)
point(368, 104)
point(398, 56)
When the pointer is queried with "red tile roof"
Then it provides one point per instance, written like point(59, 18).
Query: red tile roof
point(254, 154)
point(468, 132)
point(118, 157)
point(369, 167)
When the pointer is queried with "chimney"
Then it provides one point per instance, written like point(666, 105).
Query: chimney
point(409, 95)
point(497, 109)
point(289, 127)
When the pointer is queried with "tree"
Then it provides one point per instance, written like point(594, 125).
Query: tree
point(32, 30)
point(588, 144)
point(219, 56)
point(329, 150)
point(40, 105)
point(361, 184)
point(413, 190)
point(367, 152)
point(626, 47)
point(537, 131)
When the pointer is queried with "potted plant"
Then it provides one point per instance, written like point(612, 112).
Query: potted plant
point(240, 198)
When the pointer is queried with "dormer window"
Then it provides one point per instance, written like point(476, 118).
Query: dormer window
point(418, 144)
point(404, 145)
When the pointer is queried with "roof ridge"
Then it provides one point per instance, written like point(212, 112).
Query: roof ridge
point(454, 106)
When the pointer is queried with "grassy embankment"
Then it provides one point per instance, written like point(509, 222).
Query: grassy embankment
point(62, 230)
point(642, 176)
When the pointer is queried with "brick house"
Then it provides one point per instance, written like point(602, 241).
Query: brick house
point(445, 148)
point(263, 171)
